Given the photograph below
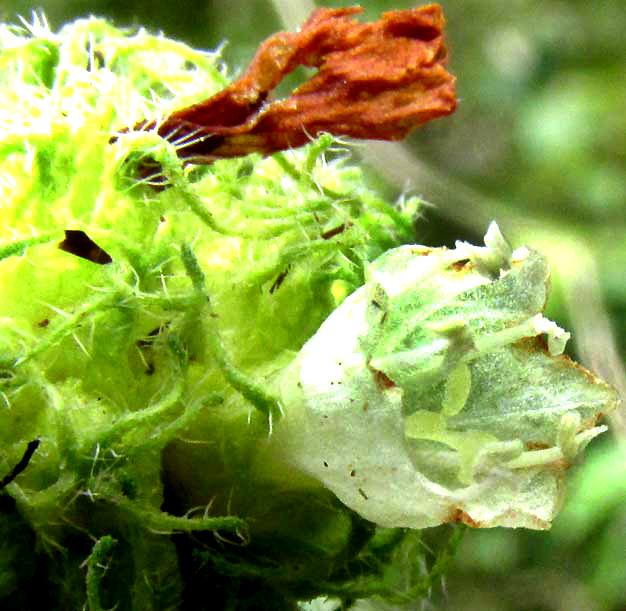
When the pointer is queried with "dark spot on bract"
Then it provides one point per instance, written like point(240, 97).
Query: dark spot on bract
point(459, 265)
point(279, 280)
point(146, 344)
point(245, 169)
point(95, 58)
point(362, 493)
point(43, 323)
point(352, 473)
point(536, 445)
point(382, 381)
point(331, 233)
point(129, 486)
point(95, 61)
point(150, 172)
point(79, 244)
point(148, 340)
point(457, 515)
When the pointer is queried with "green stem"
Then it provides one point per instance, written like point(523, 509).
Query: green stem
point(19, 247)
point(70, 324)
point(164, 522)
point(266, 403)
point(96, 570)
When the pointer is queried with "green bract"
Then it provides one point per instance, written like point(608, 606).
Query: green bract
point(192, 385)
point(431, 394)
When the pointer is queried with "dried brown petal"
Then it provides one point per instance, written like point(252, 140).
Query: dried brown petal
point(374, 80)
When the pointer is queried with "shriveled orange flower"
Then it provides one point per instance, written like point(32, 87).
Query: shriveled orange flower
point(374, 80)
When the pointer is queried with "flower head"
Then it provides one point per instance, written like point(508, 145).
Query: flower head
point(438, 393)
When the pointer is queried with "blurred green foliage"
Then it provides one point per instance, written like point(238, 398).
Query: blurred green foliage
point(540, 140)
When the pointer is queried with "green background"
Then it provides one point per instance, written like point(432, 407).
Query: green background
point(538, 143)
